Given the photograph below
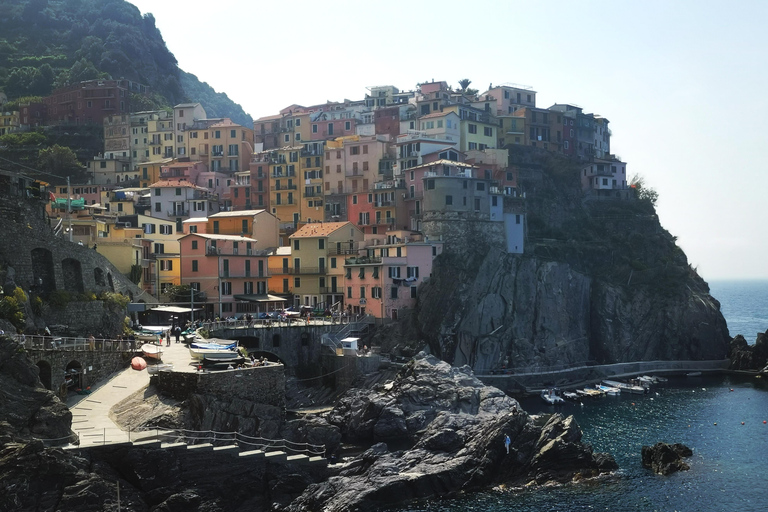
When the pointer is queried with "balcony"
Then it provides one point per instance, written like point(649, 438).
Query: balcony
point(282, 187)
point(242, 275)
point(362, 260)
point(330, 289)
point(313, 194)
point(383, 204)
point(286, 174)
point(178, 213)
point(276, 271)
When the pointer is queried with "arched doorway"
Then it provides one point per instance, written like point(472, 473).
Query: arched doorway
point(73, 375)
point(45, 373)
point(73, 275)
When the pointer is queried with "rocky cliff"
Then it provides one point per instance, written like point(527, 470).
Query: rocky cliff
point(599, 282)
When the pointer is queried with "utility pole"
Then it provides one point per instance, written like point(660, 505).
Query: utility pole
point(69, 208)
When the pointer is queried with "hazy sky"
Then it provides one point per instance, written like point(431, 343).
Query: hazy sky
point(682, 82)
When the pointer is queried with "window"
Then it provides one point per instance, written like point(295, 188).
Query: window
point(413, 292)
point(488, 131)
point(159, 248)
point(393, 292)
point(333, 262)
point(158, 207)
point(194, 265)
point(448, 200)
point(473, 145)
point(412, 272)
point(347, 125)
point(430, 184)
point(295, 245)
point(321, 243)
point(480, 186)
point(362, 292)
point(477, 204)
point(217, 134)
point(376, 292)
point(354, 150)
point(314, 128)
point(472, 128)
point(394, 272)
point(194, 244)
point(244, 227)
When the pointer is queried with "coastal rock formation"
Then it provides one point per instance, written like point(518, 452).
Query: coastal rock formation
point(27, 409)
point(748, 357)
point(599, 282)
point(455, 427)
point(665, 459)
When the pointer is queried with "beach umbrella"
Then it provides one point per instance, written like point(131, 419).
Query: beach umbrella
point(138, 363)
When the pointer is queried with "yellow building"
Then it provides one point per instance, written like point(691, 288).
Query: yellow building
point(280, 267)
point(283, 169)
point(257, 224)
point(317, 256)
point(220, 144)
point(478, 128)
point(9, 122)
point(163, 248)
point(149, 172)
point(124, 248)
point(512, 130)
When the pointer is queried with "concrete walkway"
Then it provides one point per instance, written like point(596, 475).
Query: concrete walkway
point(90, 413)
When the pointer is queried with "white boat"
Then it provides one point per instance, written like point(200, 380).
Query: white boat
point(625, 388)
point(152, 351)
point(608, 390)
point(570, 395)
point(551, 397)
point(211, 350)
point(693, 374)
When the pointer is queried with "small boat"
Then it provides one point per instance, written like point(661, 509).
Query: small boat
point(625, 388)
point(152, 351)
point(151, 335)
point(156, 368)
point(189, 335)
point(198, 350)
point(218, 359)
point(590, 392)
point(608, 390)
point(646, 380)
point(693, 374)
point(569, 395)
point(551, 397)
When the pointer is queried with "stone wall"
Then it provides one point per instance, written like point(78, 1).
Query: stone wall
point(263, 385)
point(86, 318)
point(461, 234)
point(95, 364)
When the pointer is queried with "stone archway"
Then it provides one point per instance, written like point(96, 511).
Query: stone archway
point(43, 271)
point(45, 374)
point(73, 275)
point(98, 276)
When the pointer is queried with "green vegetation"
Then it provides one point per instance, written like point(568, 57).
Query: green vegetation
point(135, 273)
point(12, 307)
point(44, 45)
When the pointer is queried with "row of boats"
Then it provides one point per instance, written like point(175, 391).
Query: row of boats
point(637, 386)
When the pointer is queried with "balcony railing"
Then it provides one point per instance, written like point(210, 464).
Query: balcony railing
point(297, 271)
point(282, 187)
point(362, 260)
point(286, 174)
point(230, 274)
point(275, 271)
point(178, 213)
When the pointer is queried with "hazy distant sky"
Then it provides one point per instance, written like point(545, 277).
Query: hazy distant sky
point(682, 82)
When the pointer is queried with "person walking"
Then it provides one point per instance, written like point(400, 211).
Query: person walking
point(507, 442)
point(177, 333)
point(168, 338)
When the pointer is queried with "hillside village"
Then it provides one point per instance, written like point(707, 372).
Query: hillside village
point(341, 206)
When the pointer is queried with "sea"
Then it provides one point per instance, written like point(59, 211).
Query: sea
point(723, 419)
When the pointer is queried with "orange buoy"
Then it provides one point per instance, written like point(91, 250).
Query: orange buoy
point(731, 389)
point(742, 422)
point(764, 422)
point(633, 403)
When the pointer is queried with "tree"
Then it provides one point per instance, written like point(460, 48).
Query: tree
point(464, 83)
point(181, 293)
point(644, 193)
point(59, 160)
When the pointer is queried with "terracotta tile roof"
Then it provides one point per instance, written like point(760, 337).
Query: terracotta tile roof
point(437, 114)
point(319, 229)
point(270, 118)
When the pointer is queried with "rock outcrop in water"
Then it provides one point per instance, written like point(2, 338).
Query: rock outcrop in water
point(454, 427)
point(746, 357)
point(665, 459)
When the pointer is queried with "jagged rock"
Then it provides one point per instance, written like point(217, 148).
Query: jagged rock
point(458, 446)
point(313, 430)
point(746, 357)
point(35, 411)
point(665, 459)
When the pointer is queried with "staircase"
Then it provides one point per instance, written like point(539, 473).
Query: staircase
point(356, 329)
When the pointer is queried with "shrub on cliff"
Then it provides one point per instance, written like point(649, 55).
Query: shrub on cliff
point(12, 307)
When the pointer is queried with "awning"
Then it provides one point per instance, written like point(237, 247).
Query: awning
point(173, 309)
point(261, 298)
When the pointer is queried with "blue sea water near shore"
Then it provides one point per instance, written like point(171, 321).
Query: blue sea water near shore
point(705, 413)
point(744, 305)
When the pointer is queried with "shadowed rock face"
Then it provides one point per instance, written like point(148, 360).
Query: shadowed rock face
point(456, 426)
point(665, 459)
point(746, 357)
point(27, 409)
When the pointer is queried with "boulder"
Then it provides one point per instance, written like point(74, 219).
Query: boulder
point(456, 426)
point(665, 459)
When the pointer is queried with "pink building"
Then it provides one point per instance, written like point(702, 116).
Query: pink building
point(384, 278)
point(231, 273)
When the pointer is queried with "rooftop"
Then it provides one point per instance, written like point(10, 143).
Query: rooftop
point(319, 229)
point(237, 213)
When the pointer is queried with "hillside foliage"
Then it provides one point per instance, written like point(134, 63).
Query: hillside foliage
point(45, 44)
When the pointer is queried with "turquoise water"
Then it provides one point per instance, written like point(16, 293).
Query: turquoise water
point(727, 466)
point(744, 305)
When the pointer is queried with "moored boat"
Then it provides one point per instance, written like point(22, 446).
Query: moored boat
point(209, 349)
point(608, 390)
point(551, 397)
point(693, 374)
point(152, 351)
point(570, 395)
point(625, 388)
point(163, 367)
